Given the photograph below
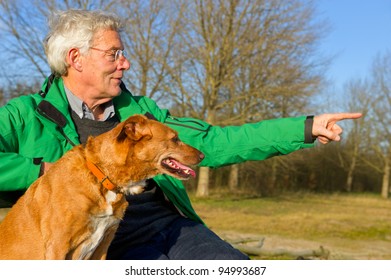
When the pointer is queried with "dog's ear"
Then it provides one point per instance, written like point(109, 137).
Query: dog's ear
point(135, 128)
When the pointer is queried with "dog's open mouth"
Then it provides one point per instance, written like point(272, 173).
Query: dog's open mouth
point(178, 169)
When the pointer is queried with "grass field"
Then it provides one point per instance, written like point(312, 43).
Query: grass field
point(349, 226)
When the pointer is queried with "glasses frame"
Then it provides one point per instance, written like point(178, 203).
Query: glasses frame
point(117, 53)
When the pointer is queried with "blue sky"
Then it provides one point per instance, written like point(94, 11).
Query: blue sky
point(359, 31)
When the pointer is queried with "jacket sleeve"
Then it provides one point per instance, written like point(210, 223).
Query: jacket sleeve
point(17, 172)
point(235, 144)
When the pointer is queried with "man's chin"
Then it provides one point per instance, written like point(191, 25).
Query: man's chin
point(116, 90)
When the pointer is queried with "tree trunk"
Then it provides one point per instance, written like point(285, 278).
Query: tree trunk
point(349, 180)
point(386, 179)
point(270, 189)
point(233, 177)
point(203, 182)
point(203, 179)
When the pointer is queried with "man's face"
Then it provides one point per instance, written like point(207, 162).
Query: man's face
point(101, 71)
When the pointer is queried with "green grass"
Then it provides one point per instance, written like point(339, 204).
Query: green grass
point(357, 225)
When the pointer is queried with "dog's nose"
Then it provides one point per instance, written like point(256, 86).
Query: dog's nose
point(201, 156)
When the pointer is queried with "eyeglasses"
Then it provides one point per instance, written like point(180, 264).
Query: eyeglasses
point(113, 55)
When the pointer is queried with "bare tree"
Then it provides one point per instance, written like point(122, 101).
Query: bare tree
point(381, 124)
point(22, 32)
point(150, 34)
point(241, 61)
point(359, 96)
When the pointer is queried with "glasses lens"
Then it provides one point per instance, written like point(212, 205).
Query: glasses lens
point(119, 54)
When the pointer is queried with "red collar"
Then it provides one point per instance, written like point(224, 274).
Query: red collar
point(102, 178)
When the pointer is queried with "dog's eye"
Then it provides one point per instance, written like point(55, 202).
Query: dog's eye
point(175, 139)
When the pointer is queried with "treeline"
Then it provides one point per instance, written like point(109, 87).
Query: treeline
point(317, 170)
point(228, 62)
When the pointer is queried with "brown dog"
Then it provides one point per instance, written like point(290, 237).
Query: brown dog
point(73, 210)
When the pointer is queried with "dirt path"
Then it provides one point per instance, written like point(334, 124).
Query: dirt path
point(340, 249)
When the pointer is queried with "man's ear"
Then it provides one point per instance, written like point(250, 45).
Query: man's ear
point(74, 59)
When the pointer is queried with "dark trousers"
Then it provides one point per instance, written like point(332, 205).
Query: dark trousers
point(184, 239)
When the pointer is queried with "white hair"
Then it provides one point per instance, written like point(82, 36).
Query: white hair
point(74, 29)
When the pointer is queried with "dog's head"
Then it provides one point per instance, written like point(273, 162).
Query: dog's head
point(140, 148)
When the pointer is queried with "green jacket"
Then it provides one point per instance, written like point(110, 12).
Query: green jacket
point(31, 132)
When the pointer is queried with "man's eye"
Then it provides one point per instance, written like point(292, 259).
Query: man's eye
point(111, 55)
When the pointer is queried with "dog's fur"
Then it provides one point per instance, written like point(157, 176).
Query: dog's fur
point(68, 214)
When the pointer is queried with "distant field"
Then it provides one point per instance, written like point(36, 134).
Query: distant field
point(349, 226)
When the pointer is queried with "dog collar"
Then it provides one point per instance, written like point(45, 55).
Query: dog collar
point(102, 178)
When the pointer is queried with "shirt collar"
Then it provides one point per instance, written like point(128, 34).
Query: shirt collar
point(81, 109)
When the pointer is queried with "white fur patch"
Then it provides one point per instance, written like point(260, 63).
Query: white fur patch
point(100, 224)
point(135, 187)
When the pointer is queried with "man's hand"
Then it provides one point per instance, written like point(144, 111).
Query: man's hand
point(325, 126)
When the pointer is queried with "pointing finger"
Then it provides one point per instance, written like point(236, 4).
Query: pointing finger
point(343, 116)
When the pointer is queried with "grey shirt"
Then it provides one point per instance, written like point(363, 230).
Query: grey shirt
point(81, 109)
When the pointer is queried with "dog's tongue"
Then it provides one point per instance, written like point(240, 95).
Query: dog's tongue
point(185, 169)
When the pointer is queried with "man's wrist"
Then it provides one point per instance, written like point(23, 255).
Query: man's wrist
point(308, 137)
